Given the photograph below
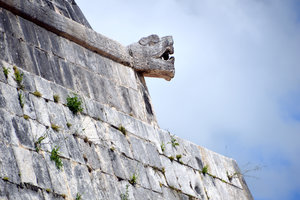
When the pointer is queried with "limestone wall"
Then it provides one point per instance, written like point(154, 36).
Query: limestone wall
point(114, 138)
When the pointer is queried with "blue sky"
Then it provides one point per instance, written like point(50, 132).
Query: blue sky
point(237, 84)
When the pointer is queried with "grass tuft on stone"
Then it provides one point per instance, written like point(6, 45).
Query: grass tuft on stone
point(37, 94)
point(55, 157)
point(74, 104)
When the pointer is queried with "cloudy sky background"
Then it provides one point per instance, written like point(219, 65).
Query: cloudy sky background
point(237, 85)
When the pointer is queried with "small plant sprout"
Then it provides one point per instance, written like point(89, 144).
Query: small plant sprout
point(37, 94)
point(171, 158)
point(26, 117)
point(178, 157)
point(55, 127)
point(123, 130)
point(55, 157)
point(56, 98)
point(125, 196)
point(18, 77)
point(37, 144)
point(48, 190)
point(74, 104)
point(69, 124)
point(78, 196)
point(6, 71)
point(5, 178)
point(21, 100)
point(163, 147)
point(163, 170)
point(133, 179)
point(204, 170)
point(174, 141)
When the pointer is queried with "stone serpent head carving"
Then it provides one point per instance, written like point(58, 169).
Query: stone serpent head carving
point(151, 56)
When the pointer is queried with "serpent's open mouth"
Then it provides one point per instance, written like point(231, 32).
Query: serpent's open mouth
point(166, 55)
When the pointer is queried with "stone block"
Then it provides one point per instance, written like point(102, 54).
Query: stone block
point(118, 167)
point(80, 55)
point(66, 74)
point(28, 31)
point(24, 160)
point(4, 51)
point(44, 87)
point(89, 153)
point(62, 92)
point(43, 63)
point(55, 44)
point(152, 155)
point(43, 38)
point(84, 184)
point(127, 76)
point(105, 159)
point(95, 109)
point(7, 132)
point(169, 172)
point(58, 139)
point(38, 130)
point(56, 70)
point(56, 115)
point(22, 130)
point(74, 151)
point(41, 110)
point(28, 108)
point(80, 80)
point(2, 76)
point(138, 149)
point(28, 81)
point(41, 171)
point(10, 99)
point(58, 181)
point(119, 141)
point(8, 166)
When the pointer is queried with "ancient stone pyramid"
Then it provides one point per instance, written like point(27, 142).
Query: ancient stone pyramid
point(76, 120)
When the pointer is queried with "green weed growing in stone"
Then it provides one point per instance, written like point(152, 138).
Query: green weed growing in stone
point(163, 147)
point(26, 117)
point(123, 130)
point(125, 196)
point(48, 190)
point(163, 170)
point(5, 178)
point(55, 127)
point(21, 100)
point(69, 125)
point(204, 170)
point(37, 94)
point(74, 104)
point(171, 158)
point(78, 196)
point(6, 71)
point(55, 157)
point(56, 98)
point(173, 141)
point(133, 179)
point(38, 142)
point(178, 157)
point(18, 77)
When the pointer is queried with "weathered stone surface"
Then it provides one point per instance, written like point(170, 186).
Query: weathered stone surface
point(10, 99)
point(22, 128)
point(41, 110)
point(24, 161)
point(41, 171)
point(8, 164)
